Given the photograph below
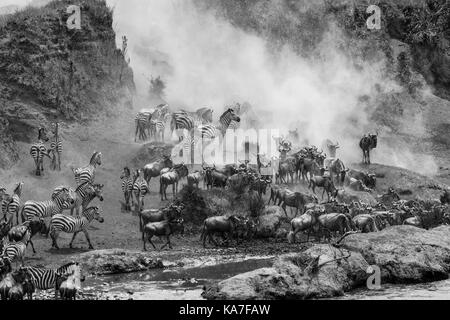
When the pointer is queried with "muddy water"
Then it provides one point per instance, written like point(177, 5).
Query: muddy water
point(169, 284)
point(187, 284)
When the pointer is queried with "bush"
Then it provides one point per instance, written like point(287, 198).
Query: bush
point(195, 207)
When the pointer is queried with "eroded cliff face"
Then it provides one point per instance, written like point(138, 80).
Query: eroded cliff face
point(48, 72)
point(424, 26)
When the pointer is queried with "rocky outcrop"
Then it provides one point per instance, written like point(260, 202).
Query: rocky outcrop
point(321, 271)
point(48, 72)
point(115, 261)
point(404, 254)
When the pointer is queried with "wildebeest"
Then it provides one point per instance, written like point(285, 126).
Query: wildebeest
point(219, 224)
point(296, 200)
point(239, 181)
point(369, 179)
point(389, 198)
point(194, 178)
point(356, 185)
point(286, 169)
point(12, 284)
point(308, 166)
point(163, 228)
point(228, 169)
point(367, 143)
point(171, 178)
point(157, 215)
point(365, 223)
point(337, 171)
point(334, 222)
point(304, 222)
point(153, 170)
point(34, 226)
point(323, 182)
point(214, 178)
point(274, 193)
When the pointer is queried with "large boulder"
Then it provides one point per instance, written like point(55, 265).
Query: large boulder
point(116, 261)
point(269, 222)
point(321, 271)
point(405, 253)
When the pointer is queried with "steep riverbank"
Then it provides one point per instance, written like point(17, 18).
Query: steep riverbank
point(404, 254)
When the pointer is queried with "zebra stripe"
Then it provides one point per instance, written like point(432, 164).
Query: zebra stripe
point(87, 174)
point(211, 131)
point(14, 204)
point(16, 251)
point(44, 279)
point(42, 209)
point(68, 224)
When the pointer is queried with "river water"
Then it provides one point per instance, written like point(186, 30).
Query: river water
point(187, 284)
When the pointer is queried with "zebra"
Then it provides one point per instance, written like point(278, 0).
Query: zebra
point(181, 120)
point(45, 279)
point(142, 123)
point(43, 209)
point(82, 196)
point(234, 125)
point(127, 187)
point(5, 199)
point(57, 148)
point(88, 173)
point(68, 224)
point(140, 188)
point(211, 131)
point(14, 203)
point(157, 128)
point(38, 151)
point(16, 251)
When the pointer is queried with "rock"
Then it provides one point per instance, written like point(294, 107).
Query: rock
point(269, 222)
point(321, 271)
point(405, 254)
point(113, 261)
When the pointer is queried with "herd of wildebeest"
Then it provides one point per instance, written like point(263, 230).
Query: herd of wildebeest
point(336, 211)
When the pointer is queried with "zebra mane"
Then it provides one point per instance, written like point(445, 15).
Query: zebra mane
point(65, 268)
point(94, 156)
point(18, 189)
point(56, 194)
point(83, 185)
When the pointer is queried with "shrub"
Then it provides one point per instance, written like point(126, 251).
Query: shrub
point(195, 207)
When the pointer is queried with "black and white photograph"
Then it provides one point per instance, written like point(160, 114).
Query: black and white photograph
point(240, 152)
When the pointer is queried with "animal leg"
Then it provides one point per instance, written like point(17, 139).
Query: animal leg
point(73, 238)
point(150, 240)
point(32, 246)
point(88, 239)
point(167, 243)
point(54, 236)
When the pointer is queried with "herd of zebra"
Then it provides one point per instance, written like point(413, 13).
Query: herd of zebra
point(15, 235)
point(191, 126)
